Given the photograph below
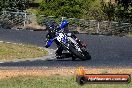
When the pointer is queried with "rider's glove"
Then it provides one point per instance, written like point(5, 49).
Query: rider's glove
point(46, 46)
point(48, 43)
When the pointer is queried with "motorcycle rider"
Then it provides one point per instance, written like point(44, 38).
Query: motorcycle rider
point(53, 28)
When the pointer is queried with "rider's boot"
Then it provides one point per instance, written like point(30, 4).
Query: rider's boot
point(59, 53)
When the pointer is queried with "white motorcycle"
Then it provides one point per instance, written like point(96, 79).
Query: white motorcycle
point(71, 45)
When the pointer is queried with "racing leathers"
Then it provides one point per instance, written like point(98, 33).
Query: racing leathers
point(51, 34)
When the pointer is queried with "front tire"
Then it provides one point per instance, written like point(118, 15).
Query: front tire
point(88, 57)
point(77, 54)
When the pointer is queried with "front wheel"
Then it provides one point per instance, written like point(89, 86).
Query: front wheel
point(81, 55)
point(87, 55)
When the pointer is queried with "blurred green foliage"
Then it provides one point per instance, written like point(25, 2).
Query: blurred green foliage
point(84, 9)
point(66, 8)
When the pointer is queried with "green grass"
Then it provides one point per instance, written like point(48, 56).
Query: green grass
point(52, 82)
point(10, 51)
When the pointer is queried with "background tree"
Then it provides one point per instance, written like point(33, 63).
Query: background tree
point(66, 8)
point(13, 5)
point(124, 10)
point(124, 3)
point(94, 10)
point(1, 5)
point(109, 10)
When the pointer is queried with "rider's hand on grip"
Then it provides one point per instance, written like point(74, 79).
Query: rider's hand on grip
point(46, 46)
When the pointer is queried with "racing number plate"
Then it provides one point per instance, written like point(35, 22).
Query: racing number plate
point(62, 38)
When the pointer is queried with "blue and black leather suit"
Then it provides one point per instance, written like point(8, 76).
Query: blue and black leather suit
point(51, 34)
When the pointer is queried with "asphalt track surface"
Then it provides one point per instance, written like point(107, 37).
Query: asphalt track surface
point(106, 51)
